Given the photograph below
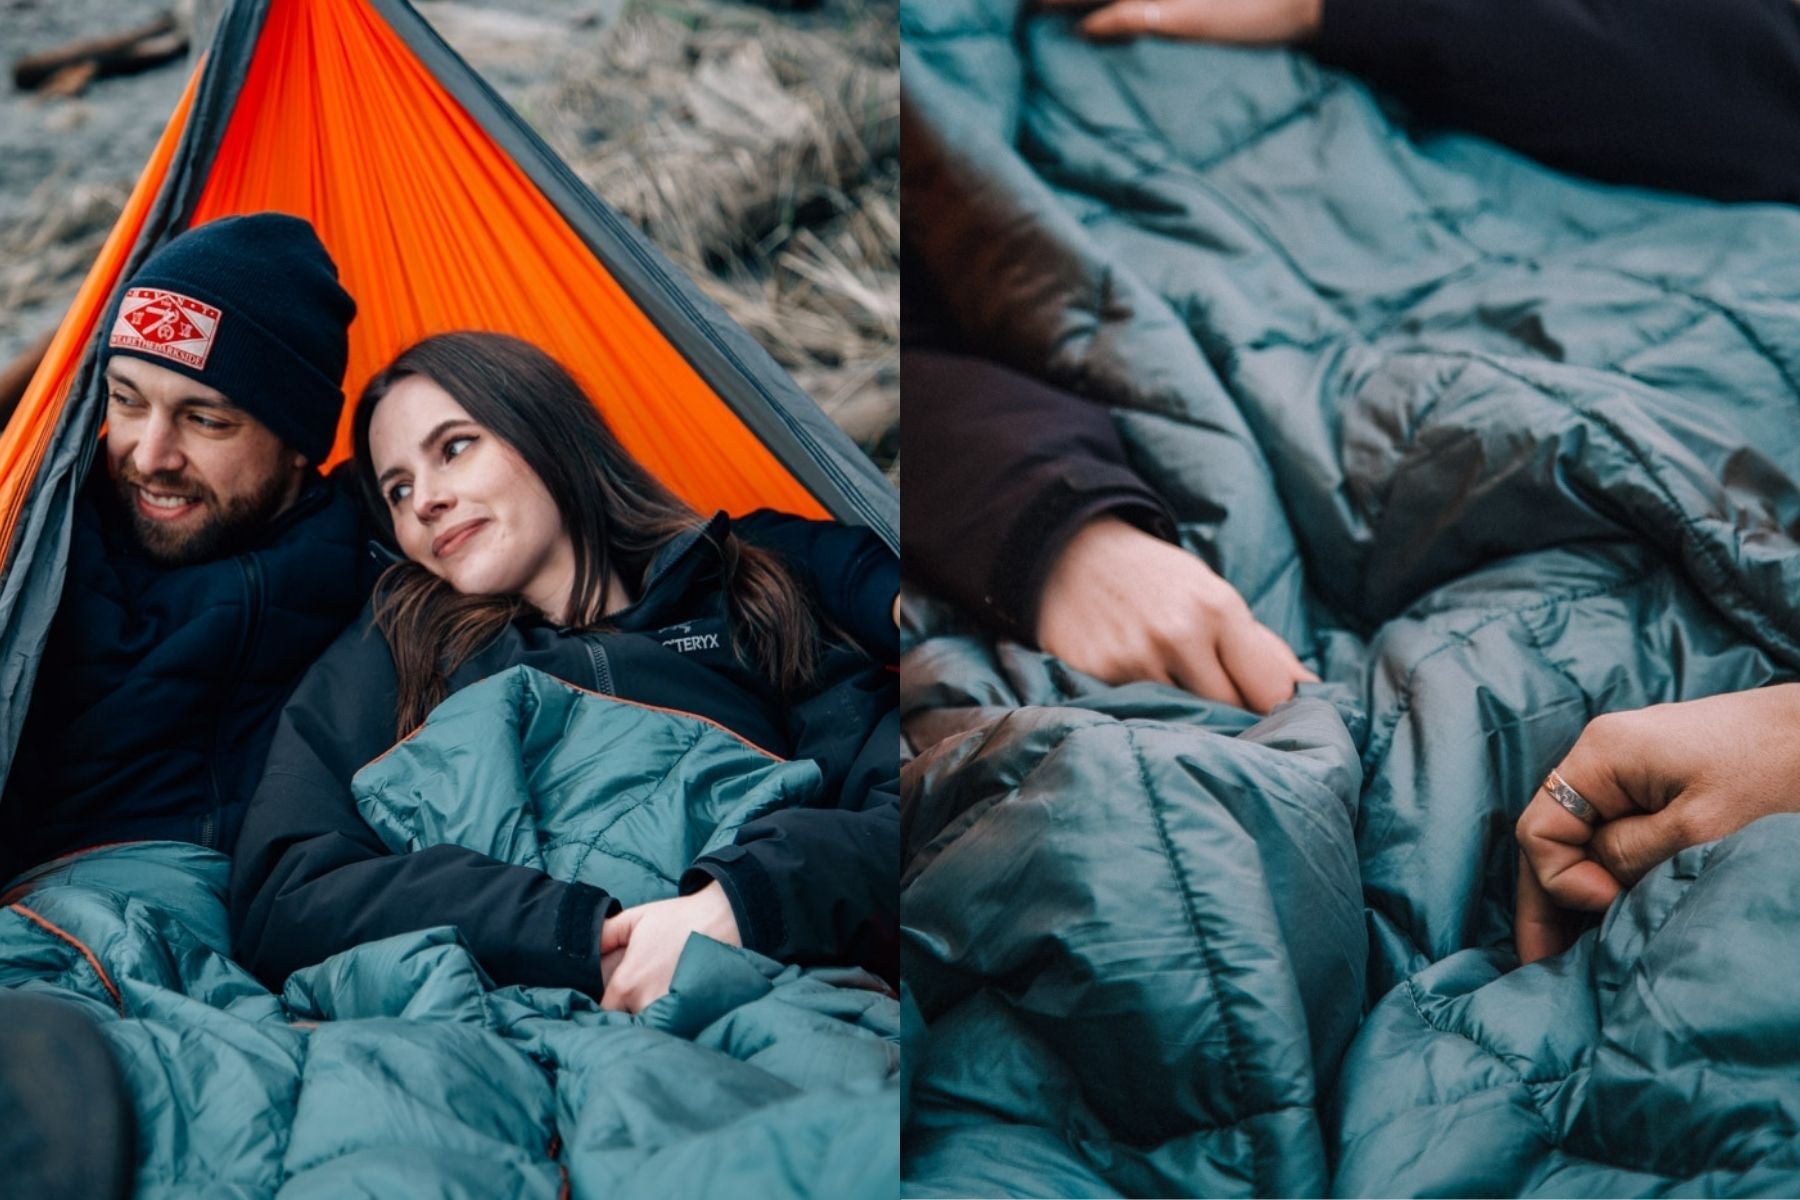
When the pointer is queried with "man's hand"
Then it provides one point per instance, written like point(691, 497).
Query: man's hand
point(1124, 606)
point(643, 944)
point(1662, 779)
point(1236, 22)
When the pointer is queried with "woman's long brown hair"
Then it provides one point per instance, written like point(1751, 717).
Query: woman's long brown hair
point(617, 514)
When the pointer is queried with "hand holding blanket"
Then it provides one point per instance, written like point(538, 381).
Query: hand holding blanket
point(1662, 779)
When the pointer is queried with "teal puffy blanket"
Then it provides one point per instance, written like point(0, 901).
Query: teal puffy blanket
point(1502, 450)
point(397, 1069)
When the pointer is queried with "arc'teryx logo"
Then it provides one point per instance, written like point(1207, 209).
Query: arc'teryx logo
point(690, 640)
point(166, 324)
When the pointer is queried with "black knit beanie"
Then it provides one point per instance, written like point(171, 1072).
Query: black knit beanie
point(251, 306)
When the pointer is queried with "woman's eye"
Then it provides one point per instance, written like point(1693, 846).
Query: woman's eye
point(398, 493)
point(456, 445)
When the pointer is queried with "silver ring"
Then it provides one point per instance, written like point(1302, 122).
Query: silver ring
point(1569, 798)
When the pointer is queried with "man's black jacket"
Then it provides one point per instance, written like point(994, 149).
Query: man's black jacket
point(312, 878)
point(1699, 96)
point(160, 686)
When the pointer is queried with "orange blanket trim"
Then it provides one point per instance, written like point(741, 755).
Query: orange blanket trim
point(65, 935)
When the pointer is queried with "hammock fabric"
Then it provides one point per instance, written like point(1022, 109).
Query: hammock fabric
point(443, 211)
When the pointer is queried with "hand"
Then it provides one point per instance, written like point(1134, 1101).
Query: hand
point(646, 942)
point(1662, 779)
point(1235, 22)
point(1124, 606)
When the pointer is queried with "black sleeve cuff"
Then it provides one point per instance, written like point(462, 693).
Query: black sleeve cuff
point(578, 920)
point(753, 901)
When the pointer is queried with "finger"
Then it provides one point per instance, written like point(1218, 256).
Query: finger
point(1553, 841)
point(615, 932)
point(609, 964)
point(1539, 928)
point(1604, 766)
point(1198, 669)
point(1122, 19)
point(1260, 664)
point(1583, 885)
point(1631, 846)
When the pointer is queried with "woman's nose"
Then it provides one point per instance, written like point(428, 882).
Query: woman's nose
point(428, 500)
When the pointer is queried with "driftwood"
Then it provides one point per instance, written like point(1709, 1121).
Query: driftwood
point(68, 68)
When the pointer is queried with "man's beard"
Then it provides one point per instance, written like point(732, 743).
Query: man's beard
point(224, 527)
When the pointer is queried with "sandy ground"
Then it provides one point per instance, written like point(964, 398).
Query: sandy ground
point(758, 148)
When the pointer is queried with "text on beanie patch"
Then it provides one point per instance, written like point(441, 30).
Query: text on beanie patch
point(177, 327)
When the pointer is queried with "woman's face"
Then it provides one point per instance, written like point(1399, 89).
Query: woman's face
point(464, 504)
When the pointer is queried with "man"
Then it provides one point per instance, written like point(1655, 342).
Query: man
point(209, 563)
point(208, 566)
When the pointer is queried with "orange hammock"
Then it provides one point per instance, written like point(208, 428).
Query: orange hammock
point(443, 211)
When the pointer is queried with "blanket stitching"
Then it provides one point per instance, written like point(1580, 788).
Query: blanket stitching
point(592, 843)
point(1226, 1014)
point(1730, 315)
point(1379, 743)
point(1412, 996)
point(1529, 1084)
point(1661, 341)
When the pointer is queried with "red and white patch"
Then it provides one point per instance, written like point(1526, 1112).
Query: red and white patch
point(168, 324)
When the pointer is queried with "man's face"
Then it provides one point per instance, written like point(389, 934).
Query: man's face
point(197, 474)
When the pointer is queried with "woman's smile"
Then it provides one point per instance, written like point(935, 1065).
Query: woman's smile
point(456, 537)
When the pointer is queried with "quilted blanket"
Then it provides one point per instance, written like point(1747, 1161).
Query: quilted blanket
point(397, 1069)
point(1499, 450)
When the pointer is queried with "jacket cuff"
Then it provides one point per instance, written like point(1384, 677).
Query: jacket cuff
point(576, 963)
point(754, 904)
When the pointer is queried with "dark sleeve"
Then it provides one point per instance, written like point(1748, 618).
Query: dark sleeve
point(1004, 470)
point(821, 884)
point(853, 576)
point(1699, 96)
point(311, 878)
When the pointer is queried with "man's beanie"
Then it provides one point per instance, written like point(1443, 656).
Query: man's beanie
point(250, 306)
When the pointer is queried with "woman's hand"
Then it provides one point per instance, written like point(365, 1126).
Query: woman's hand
point(1237, 22)
point(1124, 606)
point(643, 944)
point(1660, 779)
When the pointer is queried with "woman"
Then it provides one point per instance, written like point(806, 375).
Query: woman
point(533, 538)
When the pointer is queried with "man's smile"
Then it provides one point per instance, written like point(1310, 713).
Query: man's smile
point(164, 506)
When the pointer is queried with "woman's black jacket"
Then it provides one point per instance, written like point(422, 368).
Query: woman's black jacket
point(817, 884)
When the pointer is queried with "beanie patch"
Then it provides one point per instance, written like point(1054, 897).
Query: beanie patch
point(166, 324)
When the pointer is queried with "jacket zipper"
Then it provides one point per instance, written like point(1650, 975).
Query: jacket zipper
point(251, 567)
point(603, 680)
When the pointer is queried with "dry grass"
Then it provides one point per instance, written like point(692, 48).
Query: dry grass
point(763, 156)
point(48, 248)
